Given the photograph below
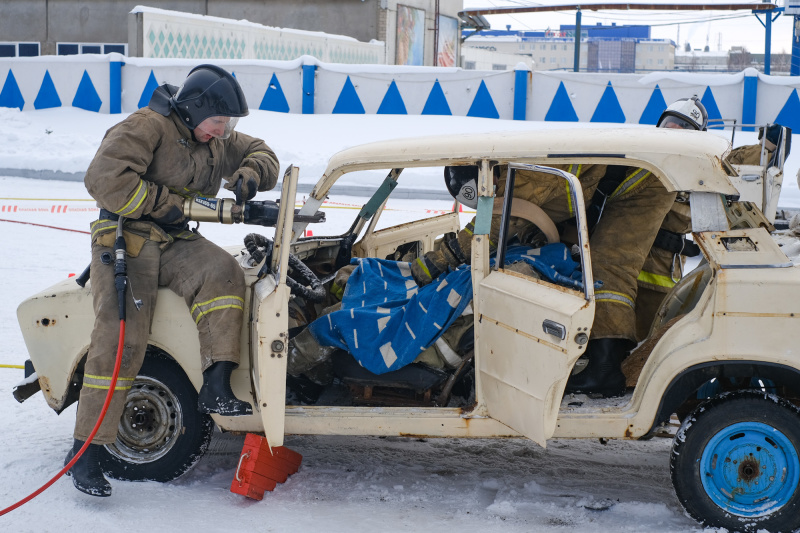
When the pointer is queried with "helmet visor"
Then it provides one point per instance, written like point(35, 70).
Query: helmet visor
point(215, 127)
point(674, 122)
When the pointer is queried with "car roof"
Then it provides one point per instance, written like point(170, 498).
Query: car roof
point(683, 160)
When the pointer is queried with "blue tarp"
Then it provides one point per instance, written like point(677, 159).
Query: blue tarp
point(386, 320)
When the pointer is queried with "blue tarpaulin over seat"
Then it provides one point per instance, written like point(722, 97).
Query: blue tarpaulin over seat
point(386, 320)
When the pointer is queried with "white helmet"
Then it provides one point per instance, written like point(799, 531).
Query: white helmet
point(686, 113)
point(462, 183)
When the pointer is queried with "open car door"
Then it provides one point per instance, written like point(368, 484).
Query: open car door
point(271, 307)
point(528, 332)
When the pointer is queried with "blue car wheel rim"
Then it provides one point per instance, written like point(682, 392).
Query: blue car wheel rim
point(750, 469)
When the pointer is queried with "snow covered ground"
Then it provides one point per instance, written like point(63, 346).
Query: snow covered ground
point(373, 484)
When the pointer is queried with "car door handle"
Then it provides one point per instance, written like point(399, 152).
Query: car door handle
point(554, 328)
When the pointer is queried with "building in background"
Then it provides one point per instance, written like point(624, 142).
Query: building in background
point(603, 48)
point(414, 32)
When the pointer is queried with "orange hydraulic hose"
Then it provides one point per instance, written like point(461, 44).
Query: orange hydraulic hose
point(117, 365)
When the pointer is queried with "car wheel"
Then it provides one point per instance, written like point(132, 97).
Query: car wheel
point(161, 433)
point(735, 463)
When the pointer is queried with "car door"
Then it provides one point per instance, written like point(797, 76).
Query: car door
point(271, 326)
point(528, 333)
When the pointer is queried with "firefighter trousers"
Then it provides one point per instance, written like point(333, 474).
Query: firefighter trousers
point(207, 277)
point(620, 244)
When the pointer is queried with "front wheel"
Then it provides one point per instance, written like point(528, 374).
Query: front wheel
point(735, 463)
point(161, 433)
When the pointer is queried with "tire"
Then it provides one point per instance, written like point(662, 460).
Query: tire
point(735, 463)
point(161, 433)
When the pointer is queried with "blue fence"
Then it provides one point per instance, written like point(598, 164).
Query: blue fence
point(115, 84)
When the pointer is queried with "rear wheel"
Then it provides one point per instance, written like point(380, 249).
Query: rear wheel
point(161, 433)
point(736, 463)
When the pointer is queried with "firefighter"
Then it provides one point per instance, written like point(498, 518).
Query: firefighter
point(663, 267)
point(183, 144)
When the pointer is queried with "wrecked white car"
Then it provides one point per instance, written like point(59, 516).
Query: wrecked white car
point(720, 356)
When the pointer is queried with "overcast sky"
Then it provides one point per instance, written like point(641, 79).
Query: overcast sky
point(719, 29)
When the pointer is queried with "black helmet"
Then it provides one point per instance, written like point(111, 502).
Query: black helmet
point(686, 113)
point(462, 183)
point(209, 91)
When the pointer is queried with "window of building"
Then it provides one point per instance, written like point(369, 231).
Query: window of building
point(543, 47)
point(469, 65)
point(553, 47)
point(650, 61)
point(19, 49)
point(495, 66)
point(563, 60)
point(70, 49)
point(564, 47)
point(552, 59)
point(543, 60)
point(660, 61)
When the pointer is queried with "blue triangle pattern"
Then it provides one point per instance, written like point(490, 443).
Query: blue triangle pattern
point(790, 113)
point(392, 103)
point(348, 101)
point(436, 104)
point(86, 97)
point(147, 93)
point(483, 105)
point(274, 99)
point(48, 96)
point(711, 108)
point(655, 106)
point(561, 109)
point(608, 108)
point(11, 96)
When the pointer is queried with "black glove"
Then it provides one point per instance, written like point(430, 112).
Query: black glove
point(244, 187)
point(168, 209)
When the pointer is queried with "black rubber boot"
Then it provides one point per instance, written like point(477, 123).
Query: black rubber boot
point(216, 395)
point(603, 373)
point(87, 476)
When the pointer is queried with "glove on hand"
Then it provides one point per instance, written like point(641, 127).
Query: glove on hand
point(424, 271)
point(168, 209)
point(244, 186)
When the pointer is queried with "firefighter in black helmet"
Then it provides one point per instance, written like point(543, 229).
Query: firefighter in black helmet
point(183, 144)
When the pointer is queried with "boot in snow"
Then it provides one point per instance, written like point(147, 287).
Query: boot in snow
point(603, 373)
point(87, 476)
point(216, 395)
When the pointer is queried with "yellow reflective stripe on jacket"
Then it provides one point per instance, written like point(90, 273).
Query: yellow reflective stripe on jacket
point(104, 382)
point(576, 171)
point(186, 235)
point(656, 279)
point(136, 201)
point(614, 297)
point(630, 182)
point(104, 225)
point(199, 310)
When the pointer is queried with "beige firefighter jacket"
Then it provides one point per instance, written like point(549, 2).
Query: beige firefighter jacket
point(148, 156)
point(747, 155)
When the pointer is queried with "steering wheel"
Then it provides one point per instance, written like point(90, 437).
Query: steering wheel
point(301, 280)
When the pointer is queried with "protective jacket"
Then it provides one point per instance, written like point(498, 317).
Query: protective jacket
point(149, 156)
point(748, 155)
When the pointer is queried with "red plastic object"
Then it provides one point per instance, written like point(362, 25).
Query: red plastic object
point(261, 469)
